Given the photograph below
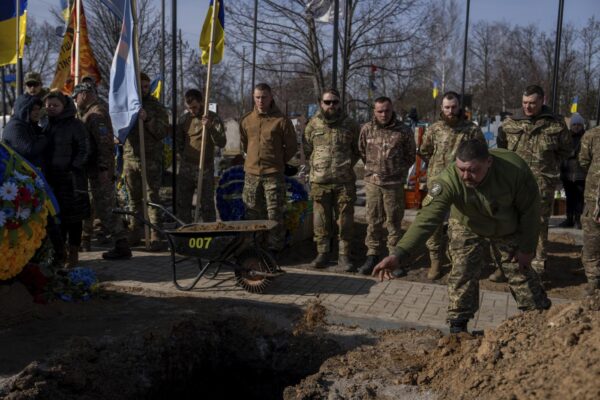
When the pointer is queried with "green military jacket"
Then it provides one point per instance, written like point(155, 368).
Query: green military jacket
point(589, 159)
point(97, 122)
point(507, 202)
point(542, 141)
point(332, 148)
point(155, 130)
point(441, 140)
point(189, 139)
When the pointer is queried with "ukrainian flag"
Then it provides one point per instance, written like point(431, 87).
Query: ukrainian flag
point(219, 33)
point(8, 30)
point(65, 7)
point(436, 90)
point(155, 87)
point(574, 105)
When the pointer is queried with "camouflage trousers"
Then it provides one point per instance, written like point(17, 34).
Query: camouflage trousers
point(547, 201)
point(264, 197)
point(333, 201)
point(436, 241)
point(187, 183)
point(384, 204)
point(104, 200)
point(590, 256)
point(132, 169)
point(467, 253)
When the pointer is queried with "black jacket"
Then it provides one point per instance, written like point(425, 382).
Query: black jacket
point(23, 135)
point(66, 164)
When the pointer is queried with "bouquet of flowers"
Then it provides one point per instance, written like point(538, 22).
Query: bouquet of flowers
point(25, 202)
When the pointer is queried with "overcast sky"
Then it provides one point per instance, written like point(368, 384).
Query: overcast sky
point(191, 13)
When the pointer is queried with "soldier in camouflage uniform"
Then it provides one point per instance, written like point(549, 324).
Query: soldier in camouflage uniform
point(387, 148)
point(269, 140)
point(543, 141)
point(155, 120)
point(101, 167)
point(189, 141)
point(589, 159)
point(439, 146)
point(491, 195)
point(331, 145)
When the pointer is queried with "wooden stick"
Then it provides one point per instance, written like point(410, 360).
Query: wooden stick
point(216, 5)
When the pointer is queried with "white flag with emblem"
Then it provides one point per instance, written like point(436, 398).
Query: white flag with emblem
point(324, 10)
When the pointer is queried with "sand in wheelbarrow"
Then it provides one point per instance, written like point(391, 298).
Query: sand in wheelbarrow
point(237, 226)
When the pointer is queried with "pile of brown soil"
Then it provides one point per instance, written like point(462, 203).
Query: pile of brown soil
point(536, 355)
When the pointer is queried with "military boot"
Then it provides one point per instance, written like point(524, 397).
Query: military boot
point(321, 260)
point(370, 263)
point(567, 223)
point(155, 243)
point(577, 221)
point(345, 263)
point(458, 325)
point(399, 272)
point(73, 257)
point(497, 276)
point(121, 251)
point(435, 270)
point(591, 287)
point(135, 235)
point(86, 245)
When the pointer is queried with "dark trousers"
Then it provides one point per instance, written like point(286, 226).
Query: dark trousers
point(574, 192)
point(72, 232)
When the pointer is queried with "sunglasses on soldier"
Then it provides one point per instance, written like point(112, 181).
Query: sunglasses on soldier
point(32, 84)
point(330, 102)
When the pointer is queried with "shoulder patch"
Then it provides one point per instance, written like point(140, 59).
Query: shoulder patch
point(426, 201)
point(436, 189)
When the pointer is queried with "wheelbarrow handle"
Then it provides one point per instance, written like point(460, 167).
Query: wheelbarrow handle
point(122, 211)
point(169, 213)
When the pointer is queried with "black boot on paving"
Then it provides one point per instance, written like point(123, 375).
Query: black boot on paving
point(458, 325)
point(345, 263)
point(567, 223)
point(121, 251)
point(321, 260)
point(370, 263)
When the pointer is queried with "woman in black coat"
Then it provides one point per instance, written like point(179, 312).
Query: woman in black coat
point(66, 161)
point(23, 133)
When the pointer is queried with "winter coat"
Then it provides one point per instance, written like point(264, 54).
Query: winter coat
point(66, 164)
point(23, 135)
point(570, 170)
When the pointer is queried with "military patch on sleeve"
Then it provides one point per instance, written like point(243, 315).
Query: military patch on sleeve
point(102, 129)
point(436, 189)
point(426, 201)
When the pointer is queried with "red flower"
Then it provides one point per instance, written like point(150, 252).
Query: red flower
point(35, 202)
point(23, 194)
point(13, 224)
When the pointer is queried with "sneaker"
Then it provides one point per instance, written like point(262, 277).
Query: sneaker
point(370, 263)
point(321, 260)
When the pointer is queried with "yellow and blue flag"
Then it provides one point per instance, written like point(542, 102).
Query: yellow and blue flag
point(219, 33)
point(574, 104)
point(65, 9)
point(155, 87)
point(8, 30)
point(436, 90)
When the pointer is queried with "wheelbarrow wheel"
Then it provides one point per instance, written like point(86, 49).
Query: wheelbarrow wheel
point(253, 270)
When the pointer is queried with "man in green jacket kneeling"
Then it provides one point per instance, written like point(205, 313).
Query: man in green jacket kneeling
point(490, 195)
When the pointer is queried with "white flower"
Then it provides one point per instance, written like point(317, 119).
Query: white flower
point(2, 218)
point(39, 182)
point(8, 191)
point(20, 176)
point(23, 213)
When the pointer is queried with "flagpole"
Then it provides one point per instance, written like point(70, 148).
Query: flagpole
point(336, 35)
point(559, 23)
point(242, 79)
point(174, 104)
point(465, 50)
point(136, 63)
point(162, 51)
point(216, 5)
point(19, 71)
point(254, 49)
point(77, 36)
point(3, 98)
point(347, 32)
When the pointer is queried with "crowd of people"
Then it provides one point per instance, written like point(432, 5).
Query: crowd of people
point(493, 200)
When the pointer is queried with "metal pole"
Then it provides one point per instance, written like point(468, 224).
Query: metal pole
point(254, 47)
point(216, 5)
point(162, 51)
point(346, 61)
point(174, 103)
point(3, 98)
point(136, 61)
point(242, 80)
point(77, 38)
point(465, 49)
point(19, 71)
point(336, 34)
point(598, 109)
point(181, 69)
point(561, 6)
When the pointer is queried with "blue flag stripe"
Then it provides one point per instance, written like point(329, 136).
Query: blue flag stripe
point(8, 9)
